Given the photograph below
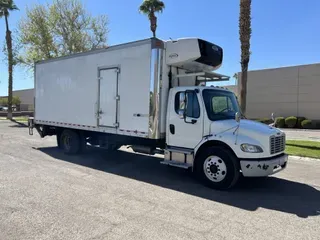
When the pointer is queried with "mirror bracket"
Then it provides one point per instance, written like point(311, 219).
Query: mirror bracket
point(237, 117)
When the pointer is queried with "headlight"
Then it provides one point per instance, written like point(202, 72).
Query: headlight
point(250, 148)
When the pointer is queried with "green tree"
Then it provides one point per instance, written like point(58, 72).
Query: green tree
point(149, 8)
point(16, 100)
point(6, 6)
point(245, 36)
point(4, 101)
point(59, 29)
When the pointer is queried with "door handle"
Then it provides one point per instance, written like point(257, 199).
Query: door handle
point(172, 129)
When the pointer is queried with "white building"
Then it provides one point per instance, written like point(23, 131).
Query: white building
point(286, 91)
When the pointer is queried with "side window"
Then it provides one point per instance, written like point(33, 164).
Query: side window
point(193, 107)
point(177, 102)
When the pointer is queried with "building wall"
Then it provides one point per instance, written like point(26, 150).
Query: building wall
point(288, 91)
point(233, 88)
point(26, 96)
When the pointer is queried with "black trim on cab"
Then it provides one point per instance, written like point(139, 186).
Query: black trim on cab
point(211, 54)
point(262, 159)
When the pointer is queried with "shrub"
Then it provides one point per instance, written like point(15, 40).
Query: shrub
point(280, 122)
point(307, 124)
point(291, 122)
point(299, 121)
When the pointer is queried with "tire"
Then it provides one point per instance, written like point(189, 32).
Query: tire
point(58, 140)
point(217, 168)
point(70, 142)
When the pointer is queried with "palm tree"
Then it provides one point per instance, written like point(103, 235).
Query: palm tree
point(149, 8)
point(245, 35)
point(5, 7)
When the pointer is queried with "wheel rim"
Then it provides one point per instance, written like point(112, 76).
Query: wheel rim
point(215, 169)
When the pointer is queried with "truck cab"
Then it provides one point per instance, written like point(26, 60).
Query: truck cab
point(206, 132)
point(205, 129)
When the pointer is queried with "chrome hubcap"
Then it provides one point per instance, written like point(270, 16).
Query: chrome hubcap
point(215, 168)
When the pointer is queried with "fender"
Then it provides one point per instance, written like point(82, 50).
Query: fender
point(226, 140)
point(229, 140)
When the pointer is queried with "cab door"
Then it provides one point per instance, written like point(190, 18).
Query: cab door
point(185, 132)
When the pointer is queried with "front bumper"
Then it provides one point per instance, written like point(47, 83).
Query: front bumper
point(263, 167)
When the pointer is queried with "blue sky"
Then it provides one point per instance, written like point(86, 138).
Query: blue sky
point(284, 32)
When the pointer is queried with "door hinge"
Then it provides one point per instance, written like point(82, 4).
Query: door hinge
point(100, 78)
point(116, 124)
point(118, 70)
point(117, 97)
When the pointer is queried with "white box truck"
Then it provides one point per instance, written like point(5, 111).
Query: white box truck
point(152, 95)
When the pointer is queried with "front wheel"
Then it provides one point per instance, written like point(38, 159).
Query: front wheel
point(217, 168)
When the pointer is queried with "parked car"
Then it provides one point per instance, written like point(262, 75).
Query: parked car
point(4, 109)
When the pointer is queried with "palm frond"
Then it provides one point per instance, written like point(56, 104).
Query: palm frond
point(144, 9)
point(8, 5)
point(14, 7)
point(149, 6)
point(3, 12)
point(158, 6)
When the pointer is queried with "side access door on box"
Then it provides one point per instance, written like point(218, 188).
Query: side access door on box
point(108, 97)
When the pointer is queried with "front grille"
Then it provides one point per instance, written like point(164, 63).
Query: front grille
point(277, 144)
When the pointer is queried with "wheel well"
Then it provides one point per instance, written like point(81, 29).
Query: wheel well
point(213, 143)
point(59, 130)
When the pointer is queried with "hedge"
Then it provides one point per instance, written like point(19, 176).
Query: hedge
point(307, 124)
point(299, 121)
point(291, 122)
point(280, 122)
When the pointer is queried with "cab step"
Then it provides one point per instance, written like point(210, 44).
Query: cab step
point(176, 164)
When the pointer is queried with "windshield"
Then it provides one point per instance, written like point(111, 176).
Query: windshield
point(220, 105)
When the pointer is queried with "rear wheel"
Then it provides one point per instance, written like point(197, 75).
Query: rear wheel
point(58, 135)
point(70, 142)
point(217, 168)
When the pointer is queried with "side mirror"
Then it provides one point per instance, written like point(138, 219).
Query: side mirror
point(182, 105)
point(237, 117)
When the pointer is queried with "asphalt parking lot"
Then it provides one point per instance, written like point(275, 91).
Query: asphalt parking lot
point(45, 194)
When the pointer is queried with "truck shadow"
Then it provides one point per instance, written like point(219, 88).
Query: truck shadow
point(18, 124)
point(250, 194)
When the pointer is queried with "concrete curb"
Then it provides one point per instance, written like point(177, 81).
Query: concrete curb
point(298, 130)
point(303, 158)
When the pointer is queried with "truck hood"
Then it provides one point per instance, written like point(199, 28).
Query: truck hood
point(247, 127)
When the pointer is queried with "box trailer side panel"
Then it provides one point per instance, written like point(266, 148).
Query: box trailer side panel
point(114, 83)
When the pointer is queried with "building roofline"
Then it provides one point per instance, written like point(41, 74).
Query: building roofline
point(23, 89)
point(283, 67)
